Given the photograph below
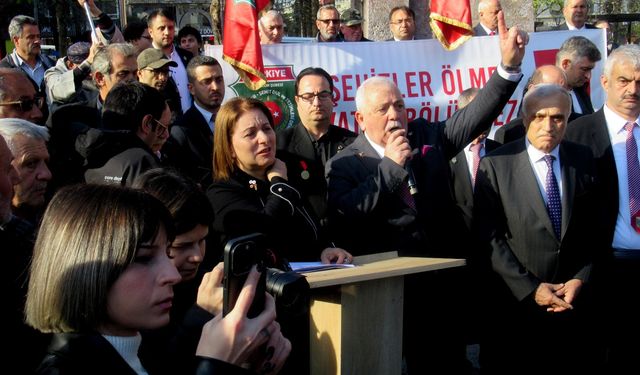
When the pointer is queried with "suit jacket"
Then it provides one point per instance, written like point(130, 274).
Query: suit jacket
point(515, 129)
point(591, 130)
point(190, 147)
point(364, 204)
point(515, 226)
point(296, 149)
point(461, 181)
point(478, 30)
point(584, 99)
point(564, 26)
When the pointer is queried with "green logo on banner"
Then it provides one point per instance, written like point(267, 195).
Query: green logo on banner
point(277, 94)
point(250, 2)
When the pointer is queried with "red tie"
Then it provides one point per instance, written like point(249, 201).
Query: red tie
point(492, 33)
point(475, 150)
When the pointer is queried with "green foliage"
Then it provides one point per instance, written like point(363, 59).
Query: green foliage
point(541, 6)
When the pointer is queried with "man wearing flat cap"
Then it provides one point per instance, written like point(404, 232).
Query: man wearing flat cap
point(71, 74)
point(351, 26)
point(153, 68)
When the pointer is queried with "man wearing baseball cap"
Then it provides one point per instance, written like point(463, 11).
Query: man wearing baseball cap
point(66, 80)
point(351, 26)
point(153, 68)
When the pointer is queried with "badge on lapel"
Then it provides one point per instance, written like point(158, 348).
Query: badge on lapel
point(253, 185)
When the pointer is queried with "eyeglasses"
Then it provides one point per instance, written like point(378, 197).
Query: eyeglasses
point(26, 104)
point(309, 97)
point(159, 72)
point(326, 22)
point(161, 129)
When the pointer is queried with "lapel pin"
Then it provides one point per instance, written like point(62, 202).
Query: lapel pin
point(253, 185)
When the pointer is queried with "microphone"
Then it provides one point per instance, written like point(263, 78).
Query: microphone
point(411, 181)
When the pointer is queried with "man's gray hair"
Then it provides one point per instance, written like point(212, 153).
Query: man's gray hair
point(16, 24)
point(271, 14)
point(102, 60)
point(361, 94)
point(629, 53)
point(467, 96)
point(545, 90)
point(326, 7)
point(577, 47)
point(11, 127)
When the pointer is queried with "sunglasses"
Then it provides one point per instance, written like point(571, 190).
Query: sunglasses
point(26, 104)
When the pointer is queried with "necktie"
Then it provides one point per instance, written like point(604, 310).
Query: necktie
point(633, 173)
point(492, 33)
point(554, 206)
point(406, 196)
point(475, 150)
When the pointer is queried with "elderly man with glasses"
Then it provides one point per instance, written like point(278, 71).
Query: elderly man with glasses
point(328, 24)
point(136, 122)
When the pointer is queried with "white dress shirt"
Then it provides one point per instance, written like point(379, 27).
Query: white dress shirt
point(540, 169)
point(624, 237)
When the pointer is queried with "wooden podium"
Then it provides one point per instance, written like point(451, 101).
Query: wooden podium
point(356, 314)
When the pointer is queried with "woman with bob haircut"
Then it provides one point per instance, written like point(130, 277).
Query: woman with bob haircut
point(101, 273)
point(250, 192)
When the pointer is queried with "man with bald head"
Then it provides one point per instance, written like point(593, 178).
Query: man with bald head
point(544, 74)
point(271, 28)
point(575, 14)
point(18, 97)
point(488, 15)
point(534, 203)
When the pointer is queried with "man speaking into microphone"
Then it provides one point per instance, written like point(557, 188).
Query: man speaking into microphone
point(371, 209)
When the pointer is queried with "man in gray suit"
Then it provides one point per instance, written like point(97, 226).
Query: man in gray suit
point(534, 207)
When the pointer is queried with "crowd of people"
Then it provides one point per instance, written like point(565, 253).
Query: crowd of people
point(124, 171)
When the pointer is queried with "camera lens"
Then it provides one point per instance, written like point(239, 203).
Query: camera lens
point(290, 289)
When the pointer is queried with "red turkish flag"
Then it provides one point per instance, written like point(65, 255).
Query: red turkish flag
point(451, 22)
point(241, 43)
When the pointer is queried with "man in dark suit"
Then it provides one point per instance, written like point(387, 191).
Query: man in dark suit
point(464, 166)
point(488, 15)
point(578, 56)
point(190, 148)
point(575, 16)
point(370, 195)
point(612, 133)
point(306, 147)
point(162, 29)
point(402, 23)
point(543, 74)
point(533, 208)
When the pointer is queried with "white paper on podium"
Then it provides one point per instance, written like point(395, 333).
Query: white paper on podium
point(302, 267)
